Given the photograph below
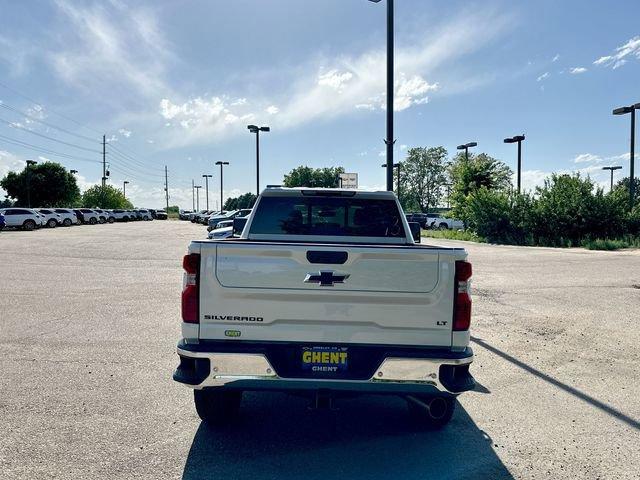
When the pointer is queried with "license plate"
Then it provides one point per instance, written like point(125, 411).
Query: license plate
point(325, 359)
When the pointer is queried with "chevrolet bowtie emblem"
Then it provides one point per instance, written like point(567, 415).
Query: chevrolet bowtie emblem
point(326, 278)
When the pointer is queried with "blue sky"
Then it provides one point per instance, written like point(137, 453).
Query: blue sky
point(176, 83)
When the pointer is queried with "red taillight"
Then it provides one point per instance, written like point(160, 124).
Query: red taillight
point(190, 290)
point(462, 299)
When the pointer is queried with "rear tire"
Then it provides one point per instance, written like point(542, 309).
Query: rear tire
point(217, 407)
point(443, 226)
point(431, 412)
point(29, 225)
point(67, 222)
point(111, 220)
point(92, 221)
point(52, 223)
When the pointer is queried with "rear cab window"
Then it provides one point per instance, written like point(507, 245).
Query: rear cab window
point(351, 218)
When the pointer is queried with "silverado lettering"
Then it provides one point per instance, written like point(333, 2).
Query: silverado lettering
point(233, 318)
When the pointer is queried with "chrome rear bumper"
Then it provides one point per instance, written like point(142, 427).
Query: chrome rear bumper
point(200, 370)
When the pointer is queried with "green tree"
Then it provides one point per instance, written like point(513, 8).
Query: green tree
point(50, 185)
point(621, 189)
point(423, 174)
point(109, 197)
point(246, 200)
point(303, 176)
point(468, 176)
point(568, 208)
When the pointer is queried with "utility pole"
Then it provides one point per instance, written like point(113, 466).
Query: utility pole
point(198, 187)
point(124, 189)
point(206, 180)
point(104, 167)
point(255, 129)
point(193, 194)
point(166, 187)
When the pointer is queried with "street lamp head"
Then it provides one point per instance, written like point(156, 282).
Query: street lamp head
point(516, 139)
point(472, 144)
point(461, 147)
point(623, 110)
point(375, 1)
point(222, 163)
point(265, 129)
point(73, 171)
point(31, 162)
point(617, 167)
point(126, 182)
point(636, 106)
point(253, 128)
point(207, 176)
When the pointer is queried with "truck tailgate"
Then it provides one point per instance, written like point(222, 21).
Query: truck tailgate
point(399, 295)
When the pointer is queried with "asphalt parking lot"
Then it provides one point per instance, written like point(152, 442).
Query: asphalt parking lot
point(89, 318)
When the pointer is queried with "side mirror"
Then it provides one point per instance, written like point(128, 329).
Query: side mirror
point(415, 231)
point(238, 225)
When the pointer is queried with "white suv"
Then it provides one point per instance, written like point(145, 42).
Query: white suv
point(68, 217)
point(24, 218)
point(50, 218)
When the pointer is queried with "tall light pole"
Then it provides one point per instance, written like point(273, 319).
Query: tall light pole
point(622, 111)
point(28, 176)
point(517, 139)
point(255, 129)
point(389, 141)
point(397, 167)
point(197, 187)
point(222, 164)
point(124, 189)
point(466, 148)
point(193, 195)
point(206, 189)
point(73, 171)
point(617, 167)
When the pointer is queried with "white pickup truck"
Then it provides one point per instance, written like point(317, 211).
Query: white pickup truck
point(325, 293)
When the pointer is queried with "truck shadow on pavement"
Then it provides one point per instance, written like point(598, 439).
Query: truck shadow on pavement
point(366, 437)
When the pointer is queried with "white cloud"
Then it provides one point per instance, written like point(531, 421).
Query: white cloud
point(621, 54)
point(124, 132)
point(577, 70)
point(544, 76)
point(326, 88)
point(272, 110)
point(556, 57)
point(587, 158)
point(403, 147)
point(334, 79)
point(9, 163)
point(95, 50)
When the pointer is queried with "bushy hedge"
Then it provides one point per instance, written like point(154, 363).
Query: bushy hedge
point(566, 211)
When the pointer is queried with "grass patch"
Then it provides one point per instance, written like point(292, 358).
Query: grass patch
point(453, 235)
point(611, 244)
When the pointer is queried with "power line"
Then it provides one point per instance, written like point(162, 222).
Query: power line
point(50, 125)
point(48, 151)
point(40, 104)
point(14, 125)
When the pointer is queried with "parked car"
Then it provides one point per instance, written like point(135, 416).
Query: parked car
point(223, 230)
point(24, 218)
point(215, 219)
point(107, 215)
point(184, 214)
point(50, 218)
point(87, 216)
point(204, 218)
point(121, 215)
point(349, 303)
point(145, 214)
point(444, 223)
point(161, 215)
point(421, 218)
point(68, 216)
point(2, 222)
point(152, 211)
point(194, 216)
